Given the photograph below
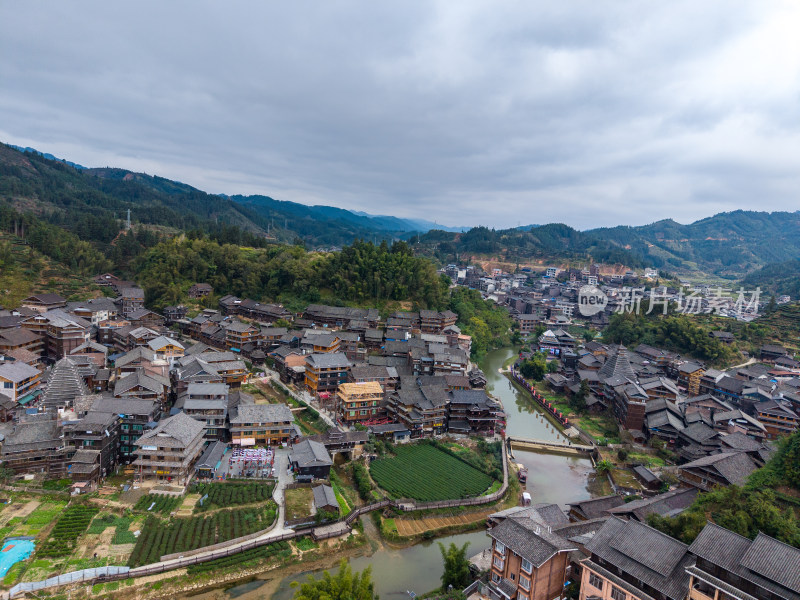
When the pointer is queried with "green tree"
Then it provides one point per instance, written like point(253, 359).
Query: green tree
point(456, 567)
point(345, 585)
point(604, 466)
point(535, 367)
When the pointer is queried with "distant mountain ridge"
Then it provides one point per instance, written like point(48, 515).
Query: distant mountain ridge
point(91, 202)
point(728, 244)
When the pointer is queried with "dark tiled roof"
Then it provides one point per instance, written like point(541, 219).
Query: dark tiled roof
point(310, 454)
point(774, 560)
point(324, 496)
point(531, 540)
point(662, 504)
point(733, 466)
point(645, 554)
point(771, 564)
point(596, 507)
point(261, 413)
point(180, 427)
point(332, 360)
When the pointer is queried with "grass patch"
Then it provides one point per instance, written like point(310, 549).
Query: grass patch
point(298, 503)
point(14, 573)
point(305, 544)
point(56, 484)
point(343, 506)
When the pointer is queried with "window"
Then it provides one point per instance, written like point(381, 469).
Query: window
point(495, 577)
point(617, 594)
point(498, 562)
point(526, 565)
point(595, 581)
point(499, 548)
point(524, 582)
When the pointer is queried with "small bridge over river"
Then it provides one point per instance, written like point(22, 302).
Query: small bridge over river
point(522, 443)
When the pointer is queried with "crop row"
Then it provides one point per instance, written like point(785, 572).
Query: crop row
point(180, 535)
point(222, 495)
point(70, 525)
point(425, 473)
point(163, 504)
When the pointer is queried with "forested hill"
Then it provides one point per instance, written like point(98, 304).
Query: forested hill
point(361, 274)
point(728, 244)
point(93, 203)
point(553, 242)
point(776, 278)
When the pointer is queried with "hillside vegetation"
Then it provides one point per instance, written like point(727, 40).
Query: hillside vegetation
point(768, 502)
point(776, 278)
point(362, 273)
point(25, 271)
point(679, 333)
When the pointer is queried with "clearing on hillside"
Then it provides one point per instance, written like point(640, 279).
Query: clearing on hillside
point(425, 473)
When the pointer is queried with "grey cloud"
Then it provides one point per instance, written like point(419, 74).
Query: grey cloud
point(468, 113)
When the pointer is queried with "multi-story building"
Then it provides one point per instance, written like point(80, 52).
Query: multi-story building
point(142, 386)
point(43, 302)
point(166, 348)
point(35, 446)
point(689, 375)
point(340, 316)
point(325, 372)
point(95, 431)
point(386, 376)
point(169, 451)
point(431, 321)
point(208, 403)
point(134, 417)
point(473, 412)
point(778, 419)
point(359, 401)
point(63, 333)
point(131, 299)
point(421, 408)
point(19, 338)
point(18, 380)
point(632, 561)
point(261, 425)
point(723, 469)
point(238, 334)
point(731, 567)
point(528, 560)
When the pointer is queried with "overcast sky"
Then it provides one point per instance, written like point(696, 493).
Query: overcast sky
point(494, 113)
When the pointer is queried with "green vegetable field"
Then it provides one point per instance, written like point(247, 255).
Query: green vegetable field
point(425, 473)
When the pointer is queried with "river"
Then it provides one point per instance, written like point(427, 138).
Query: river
point(551, 478)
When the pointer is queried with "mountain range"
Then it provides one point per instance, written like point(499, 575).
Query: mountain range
point(93, 202)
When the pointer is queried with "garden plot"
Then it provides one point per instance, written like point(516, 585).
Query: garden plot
point(425, 473)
